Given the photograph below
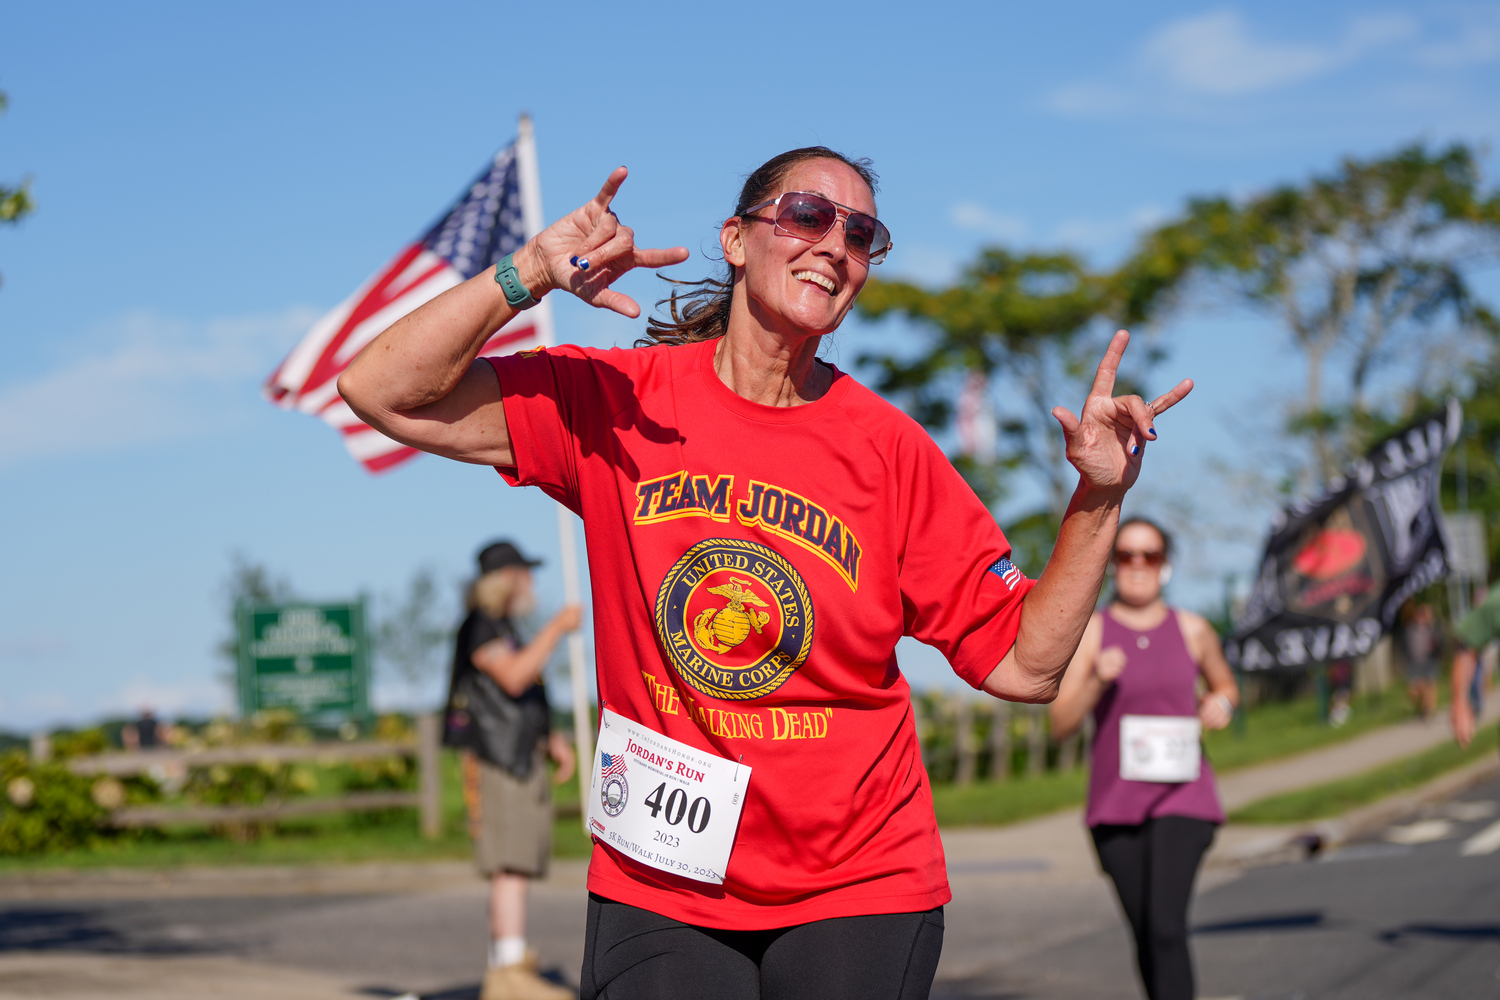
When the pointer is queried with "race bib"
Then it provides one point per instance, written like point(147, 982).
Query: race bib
point(1161, 748)
point(664, 803)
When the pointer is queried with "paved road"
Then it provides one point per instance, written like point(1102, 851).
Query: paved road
point(1405, 913)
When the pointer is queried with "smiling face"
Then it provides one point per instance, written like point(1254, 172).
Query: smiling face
point(793, 287)
point(1138, 583)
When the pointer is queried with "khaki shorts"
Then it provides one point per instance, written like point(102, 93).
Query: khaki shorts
point(510, 820)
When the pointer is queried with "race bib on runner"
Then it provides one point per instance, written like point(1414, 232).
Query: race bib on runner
point(664, 803)
point(1161, 748)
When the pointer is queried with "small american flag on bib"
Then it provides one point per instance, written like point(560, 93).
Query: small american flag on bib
point(611, 764)
point(489, 221)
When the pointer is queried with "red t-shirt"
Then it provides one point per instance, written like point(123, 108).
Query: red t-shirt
point(752, 569)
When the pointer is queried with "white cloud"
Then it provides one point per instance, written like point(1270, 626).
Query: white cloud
point(1474, 39)
point(34, 646)
point(1216, 53)
point(1089, 100)
point(61, 704)
point(1097, 234)
point(976, 217)
point(144, 378)
point(184, 696)
point(924, 264)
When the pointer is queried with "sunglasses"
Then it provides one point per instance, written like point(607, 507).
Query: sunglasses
point(810, 217)
point(1124, 557)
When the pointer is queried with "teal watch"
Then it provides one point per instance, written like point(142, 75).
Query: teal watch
point(509, 280)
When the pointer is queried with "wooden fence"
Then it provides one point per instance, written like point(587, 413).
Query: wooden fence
point(964, 739)
point(427, 799)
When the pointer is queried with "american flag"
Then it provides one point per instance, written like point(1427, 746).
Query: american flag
point(611, 763)
point(498, 213)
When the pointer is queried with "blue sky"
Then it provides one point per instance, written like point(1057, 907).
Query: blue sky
point(211, 179)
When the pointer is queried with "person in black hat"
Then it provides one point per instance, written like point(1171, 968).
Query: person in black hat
point(498, 714)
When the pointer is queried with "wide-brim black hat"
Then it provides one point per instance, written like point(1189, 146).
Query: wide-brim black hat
point(498, 555)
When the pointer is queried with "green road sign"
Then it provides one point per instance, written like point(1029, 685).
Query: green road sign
point(310, 658)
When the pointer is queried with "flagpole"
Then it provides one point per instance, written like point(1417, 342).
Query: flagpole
point(583, 732)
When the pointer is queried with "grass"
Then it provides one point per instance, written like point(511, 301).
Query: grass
point(338, 839)
point(1269, 732)
point(992, 804)
point(1281, 729)
point(1338, 797)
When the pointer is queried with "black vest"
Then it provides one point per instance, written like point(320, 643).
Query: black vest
point(480, 716)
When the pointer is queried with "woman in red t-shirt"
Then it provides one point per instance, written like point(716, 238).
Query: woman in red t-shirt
point(761, 531)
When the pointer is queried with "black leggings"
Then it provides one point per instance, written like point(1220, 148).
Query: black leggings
point(634, 954)
point(1153, 866)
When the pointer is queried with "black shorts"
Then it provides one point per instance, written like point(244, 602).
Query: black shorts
point(635, 954)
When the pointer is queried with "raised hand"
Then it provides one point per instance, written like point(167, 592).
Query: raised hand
point(591, 232)
point(1108, 439)
point(1212, 712)
point(1110, 664)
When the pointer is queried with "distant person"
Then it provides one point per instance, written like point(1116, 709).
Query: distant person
point(143, 734)
point(1141, 658)
point(1420, 636)
point(1474, 631)
point(498, 713)
point(1340, 692)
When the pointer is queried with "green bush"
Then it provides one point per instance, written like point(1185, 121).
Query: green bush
point(383, 774)
point(248, 784)
point(79, 743)
point(45, 807)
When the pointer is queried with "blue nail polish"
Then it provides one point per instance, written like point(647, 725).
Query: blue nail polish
point(1151, 431)
point(573, 260)
point(1135, 449)
point(583, 264)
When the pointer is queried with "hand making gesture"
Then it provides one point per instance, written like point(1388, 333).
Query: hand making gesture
point(1107, 440)
point(588, 249)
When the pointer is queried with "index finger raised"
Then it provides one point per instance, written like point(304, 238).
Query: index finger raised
point(1109, 367)
point(1167, 400)
point(611, 187)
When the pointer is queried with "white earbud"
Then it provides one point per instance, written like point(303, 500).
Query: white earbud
point(1166, 573)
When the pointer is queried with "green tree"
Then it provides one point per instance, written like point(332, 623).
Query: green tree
point(1471, 472)
point(247, 583)
point(414, 634)
point(1367, 267)
point(1027, 322)
point(15, 201)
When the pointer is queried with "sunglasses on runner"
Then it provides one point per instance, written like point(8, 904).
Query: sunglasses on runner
point(810, 217)
point(1124, 557)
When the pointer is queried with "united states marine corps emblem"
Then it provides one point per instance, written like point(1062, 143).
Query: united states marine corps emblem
point(735, 618)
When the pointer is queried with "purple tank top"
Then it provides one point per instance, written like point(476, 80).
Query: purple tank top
point(1158, 679)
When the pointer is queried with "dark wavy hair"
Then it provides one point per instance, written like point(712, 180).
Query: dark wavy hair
point(699, 310)
point(1166, 539)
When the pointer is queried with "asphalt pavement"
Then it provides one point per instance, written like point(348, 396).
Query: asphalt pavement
point(1409, 910)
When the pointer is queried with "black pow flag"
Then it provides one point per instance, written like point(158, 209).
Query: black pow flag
point(1338, 567)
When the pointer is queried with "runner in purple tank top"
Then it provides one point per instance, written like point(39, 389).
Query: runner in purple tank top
point(1152, 805)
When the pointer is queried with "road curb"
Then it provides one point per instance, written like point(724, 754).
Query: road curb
point(248, 880)
point(1312, 838)
point(351, 879)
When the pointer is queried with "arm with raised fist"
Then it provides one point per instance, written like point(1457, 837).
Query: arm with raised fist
point(1105, 443)
point(419, 383)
